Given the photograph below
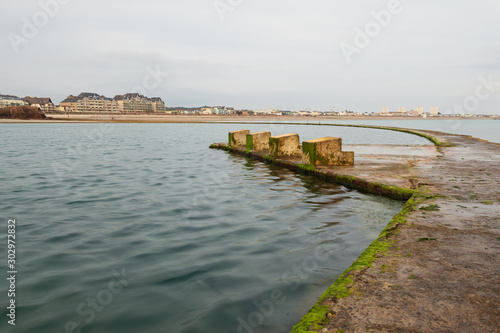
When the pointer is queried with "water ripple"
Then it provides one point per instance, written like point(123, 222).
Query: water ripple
point(196, 237)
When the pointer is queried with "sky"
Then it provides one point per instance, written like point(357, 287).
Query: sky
point(258, 54)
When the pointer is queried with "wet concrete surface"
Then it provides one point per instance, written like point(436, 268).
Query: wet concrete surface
point(450, 283)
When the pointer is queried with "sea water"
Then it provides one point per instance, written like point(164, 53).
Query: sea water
point(143, 228)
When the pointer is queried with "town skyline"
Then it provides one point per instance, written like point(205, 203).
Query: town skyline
point(135, 103)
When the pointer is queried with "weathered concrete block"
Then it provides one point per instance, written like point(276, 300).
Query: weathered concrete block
point(258, 141)
point(326, 151)
point(347, 158)
point(238, 138)
point(284, 145)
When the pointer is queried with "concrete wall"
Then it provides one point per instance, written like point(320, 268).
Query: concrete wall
point(285, 145)
point(326, 151)
point(238, 138)
point(258, 141)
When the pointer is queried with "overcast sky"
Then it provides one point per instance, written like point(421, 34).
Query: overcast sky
point(258, 54)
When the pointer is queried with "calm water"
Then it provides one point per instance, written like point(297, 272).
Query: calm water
point(479, 128)
point(142, 228)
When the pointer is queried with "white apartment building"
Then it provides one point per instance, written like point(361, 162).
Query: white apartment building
point(434, 111)
point(11, 100)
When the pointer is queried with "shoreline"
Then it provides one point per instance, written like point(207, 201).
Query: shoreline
point(82, 118)
point(436, 266)
point(193, 119)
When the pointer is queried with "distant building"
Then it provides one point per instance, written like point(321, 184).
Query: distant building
point(133, 103)
point(434, 111)
point(45, 104)
point(70, 103)
point(89, 103)
point(413, 113)
point(136, 103)
point(11, 100)
point(37, 101)
point(128, 103)
point(158, 104)
point(303, 113)
point(220, 110)
point(420, 110)
point(385, 111)
point(274, 112)
point(401, 109)
point(347, 113)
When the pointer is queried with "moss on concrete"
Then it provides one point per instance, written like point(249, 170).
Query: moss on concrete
point(273, 146)
point(430, 208)
point(309, 150)
point(423, 239)
point(356, 183)
point(343, 286)
point(249, 143)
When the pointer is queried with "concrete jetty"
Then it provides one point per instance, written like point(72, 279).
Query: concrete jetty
point(436, 266)
point(238, 138)
point(284, 145)
point(258, 141)
point(326, 151)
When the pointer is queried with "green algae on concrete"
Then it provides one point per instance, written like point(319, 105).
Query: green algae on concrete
point(342, 287)
point(309, 153)
point(362, 185)
point(237, 138)
point(249, 145)
point(258, 141)
point(430, 208)
point(284, 145)
point(325, 151)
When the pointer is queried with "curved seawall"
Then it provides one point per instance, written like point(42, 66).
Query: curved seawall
point(436, 266)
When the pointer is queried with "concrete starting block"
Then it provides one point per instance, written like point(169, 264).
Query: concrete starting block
point(284, 145)
point(258, 141)
point(326, 151)
point(238, 138)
